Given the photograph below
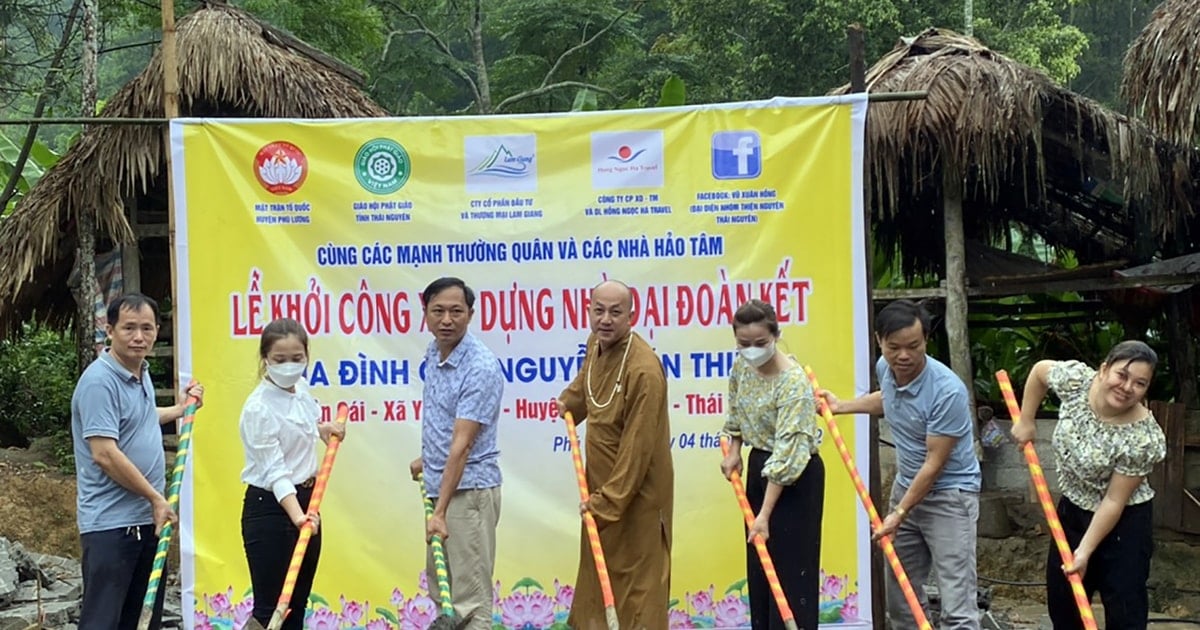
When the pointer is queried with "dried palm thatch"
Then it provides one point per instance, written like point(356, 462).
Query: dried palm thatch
point(1021, 149)
point(1161, 81)
point(230, 64)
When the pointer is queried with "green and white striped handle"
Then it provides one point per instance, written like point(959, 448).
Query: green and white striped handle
point(164, 538)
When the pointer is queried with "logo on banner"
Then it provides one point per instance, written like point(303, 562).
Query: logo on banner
point(501, 163)
point(280, 167)
point(382, 166)
point(736, 155)
point(627, 159)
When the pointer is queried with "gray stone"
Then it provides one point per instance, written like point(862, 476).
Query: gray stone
point(9, 581)
point(54, 615)
point(58, 591)
point(27, 567)
point(57, 567)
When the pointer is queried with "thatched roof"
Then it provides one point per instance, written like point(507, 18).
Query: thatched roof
point(1161, 81)
point(230, 64)
point(1024, 149)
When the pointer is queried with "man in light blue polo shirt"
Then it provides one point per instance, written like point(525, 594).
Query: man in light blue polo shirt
point(120, 469)
point(935, 498)
point(459, 455)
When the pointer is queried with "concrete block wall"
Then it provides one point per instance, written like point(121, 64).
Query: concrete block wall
point(1004, 467)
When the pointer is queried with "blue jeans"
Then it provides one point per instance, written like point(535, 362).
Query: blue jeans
point(116, 570)
point(938, 533)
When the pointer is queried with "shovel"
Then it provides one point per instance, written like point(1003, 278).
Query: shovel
point(445, 619)
point(593, 532)
point(164, 537)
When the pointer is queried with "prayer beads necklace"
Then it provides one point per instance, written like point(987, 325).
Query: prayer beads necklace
point(620, 371)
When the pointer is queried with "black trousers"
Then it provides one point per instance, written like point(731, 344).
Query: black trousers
point(1119, 568)
point(794, 545)
point(116, 571)
point(269, 537)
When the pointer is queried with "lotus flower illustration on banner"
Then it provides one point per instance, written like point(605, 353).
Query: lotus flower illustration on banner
point(281, 167)
point(528, 605)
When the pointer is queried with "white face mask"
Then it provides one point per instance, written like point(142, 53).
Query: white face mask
point(757, 356)
point(285, 375)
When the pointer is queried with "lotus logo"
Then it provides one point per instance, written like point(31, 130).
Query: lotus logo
point(281, 167)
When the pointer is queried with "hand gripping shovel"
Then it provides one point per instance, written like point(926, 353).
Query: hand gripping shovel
point(764, 558)
point(306, 530)
point(445, 619)
point(1043, 491)
point(164, 537)
point(889, 550)
point(593, 533)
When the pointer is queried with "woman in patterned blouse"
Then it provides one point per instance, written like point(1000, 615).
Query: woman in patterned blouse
point(773, 411)
point(1106, 442)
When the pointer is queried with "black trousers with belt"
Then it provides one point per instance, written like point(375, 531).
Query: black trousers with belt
point(269, 537)
point(794, 545)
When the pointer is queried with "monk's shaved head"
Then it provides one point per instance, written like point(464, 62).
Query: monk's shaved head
point(611, 312)
point(613, 291)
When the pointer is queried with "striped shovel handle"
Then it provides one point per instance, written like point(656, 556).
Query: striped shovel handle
point(168, 530)
point(439, 556)
point(589, 521)
point(306, 531)
point(1043, 491)
point(785, 611)
point(889, 550)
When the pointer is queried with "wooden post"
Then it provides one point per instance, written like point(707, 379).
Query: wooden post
point(88, 289)
point(131, 255)
point(1182, 352)
point(170, 72)
point(955, 279)
point(858, 84)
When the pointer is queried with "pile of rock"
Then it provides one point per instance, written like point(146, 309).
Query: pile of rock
point(43, 591)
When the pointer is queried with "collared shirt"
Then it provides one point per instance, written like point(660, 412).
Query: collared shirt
point(935, 403)
point(468, 385)
point(279, 433)
point(777, 414)
point(1089, 451)
point(111, 402)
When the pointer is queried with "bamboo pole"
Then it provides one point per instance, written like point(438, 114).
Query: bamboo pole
point(170, 71)
point(858, 84)
point(955, 280)
point(874, 97)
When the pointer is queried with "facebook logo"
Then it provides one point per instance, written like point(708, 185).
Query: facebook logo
point(736, 155)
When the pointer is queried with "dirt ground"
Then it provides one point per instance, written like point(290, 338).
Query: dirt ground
point(37, 508)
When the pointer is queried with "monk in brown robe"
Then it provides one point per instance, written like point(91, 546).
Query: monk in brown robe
point(621, 391)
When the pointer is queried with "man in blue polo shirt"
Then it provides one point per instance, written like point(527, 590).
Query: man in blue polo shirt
point(120, 469)
point(459, 455)
point(935, 498)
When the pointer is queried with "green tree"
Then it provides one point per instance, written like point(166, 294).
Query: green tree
point(508, 56)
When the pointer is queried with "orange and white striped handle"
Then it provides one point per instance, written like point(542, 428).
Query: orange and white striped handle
point(760, 546)
point(306, 531)
point(593, 533)
point(1043, 491)
point(889, 550)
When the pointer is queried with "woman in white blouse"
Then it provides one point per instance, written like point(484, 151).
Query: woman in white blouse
point(279, 427)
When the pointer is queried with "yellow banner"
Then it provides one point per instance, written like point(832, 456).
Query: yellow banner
point(341, 224)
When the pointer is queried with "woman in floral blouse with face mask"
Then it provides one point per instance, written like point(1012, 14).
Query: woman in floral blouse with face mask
point(772, 410)
point(1106, 443)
